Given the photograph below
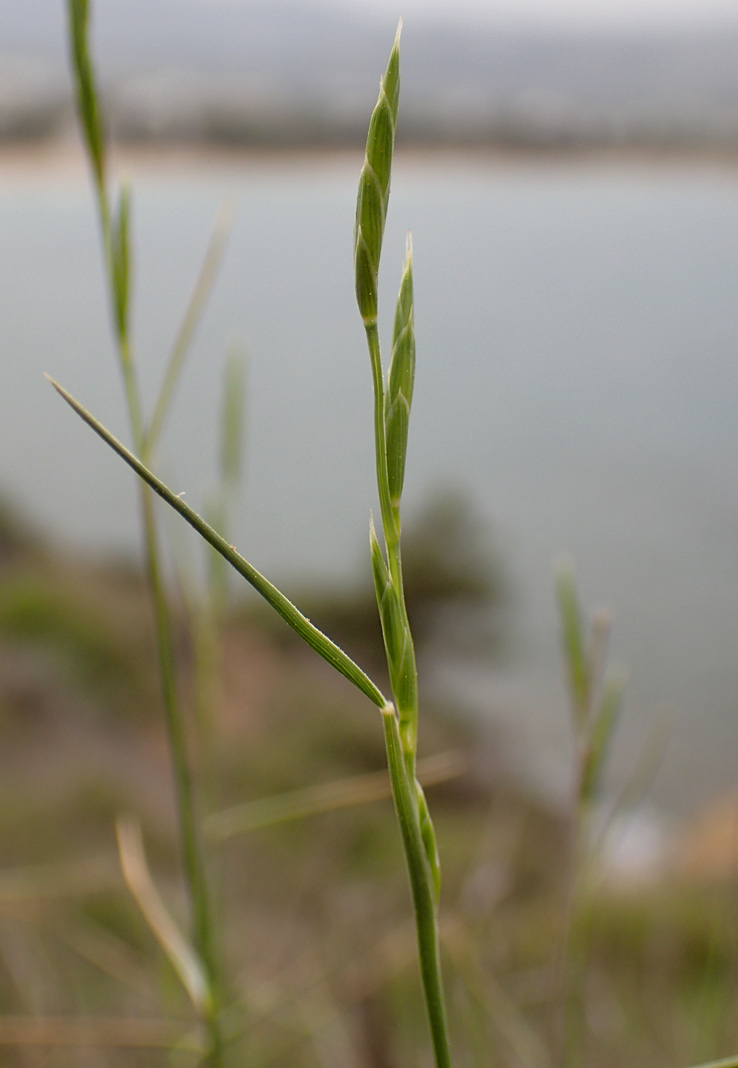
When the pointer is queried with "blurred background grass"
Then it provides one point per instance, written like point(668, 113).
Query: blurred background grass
point(318, 943)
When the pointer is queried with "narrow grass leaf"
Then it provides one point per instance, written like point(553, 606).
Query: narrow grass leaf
point(119, 1032)
point(58, 880)
point(325, 797)
point(284, 607)
point(731, 1062)
point(138, 879)
point(191, 320)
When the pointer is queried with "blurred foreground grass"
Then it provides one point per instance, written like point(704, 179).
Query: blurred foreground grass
point(320, 949)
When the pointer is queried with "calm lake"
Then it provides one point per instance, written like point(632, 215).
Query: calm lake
point(577, 327)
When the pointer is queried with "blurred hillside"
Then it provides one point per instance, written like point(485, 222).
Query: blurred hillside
point(282, 74)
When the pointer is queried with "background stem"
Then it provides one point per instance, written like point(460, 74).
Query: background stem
point(117, 261)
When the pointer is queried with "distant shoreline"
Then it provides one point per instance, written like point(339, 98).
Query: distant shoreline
point(60, 157)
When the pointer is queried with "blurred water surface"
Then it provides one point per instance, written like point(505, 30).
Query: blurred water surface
point(577, 329)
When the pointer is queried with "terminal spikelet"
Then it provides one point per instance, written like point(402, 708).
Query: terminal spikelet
point(399, 393)
point(374, 187)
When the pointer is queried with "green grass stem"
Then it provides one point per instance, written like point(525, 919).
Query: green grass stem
point(422, 885)
point(391, 420)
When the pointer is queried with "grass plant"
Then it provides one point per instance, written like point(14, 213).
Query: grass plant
point(498, 1027)
point(392, 401)
point(595, 698)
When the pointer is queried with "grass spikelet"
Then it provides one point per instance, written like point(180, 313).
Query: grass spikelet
point(394, 628)
point(428, 834)
point(400, 380)
point(374, 187)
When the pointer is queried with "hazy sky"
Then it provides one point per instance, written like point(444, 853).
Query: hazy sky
point(585, 14)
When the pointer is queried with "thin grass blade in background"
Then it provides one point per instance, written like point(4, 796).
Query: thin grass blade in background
point(326, 797)
point(182, 956)
point(190, 322)
point(101, 1032)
